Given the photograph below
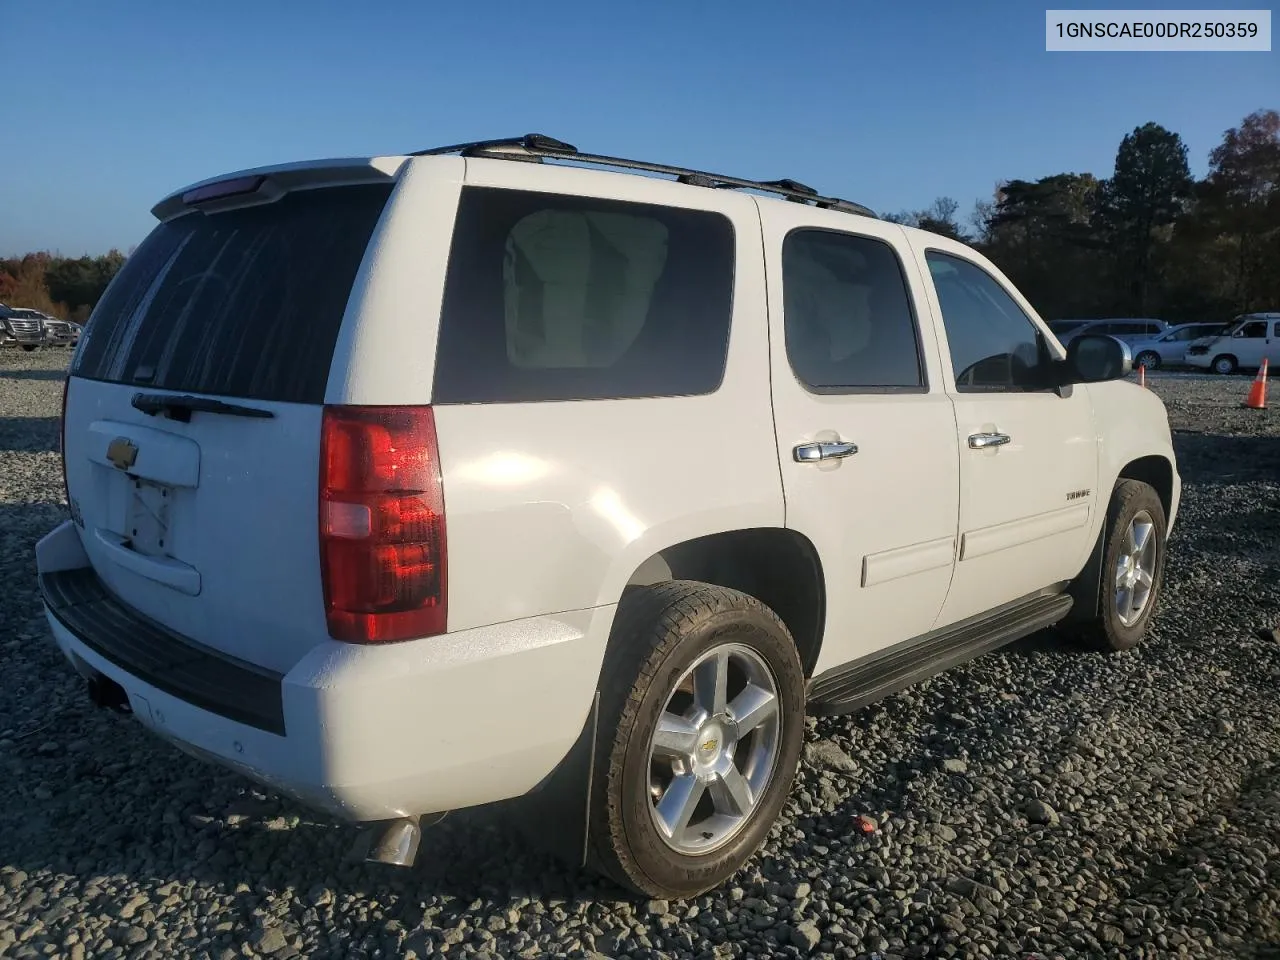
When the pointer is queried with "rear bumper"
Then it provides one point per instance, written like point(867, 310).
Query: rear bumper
point(361, 732)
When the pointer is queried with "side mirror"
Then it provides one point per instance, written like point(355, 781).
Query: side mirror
point(1094, 358)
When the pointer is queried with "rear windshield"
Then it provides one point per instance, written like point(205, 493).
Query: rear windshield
point(1062, 326)
point(245, 303)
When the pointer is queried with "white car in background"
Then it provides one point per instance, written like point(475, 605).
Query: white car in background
point(1243, 346)
point(1170, 348)
point(1126, 329)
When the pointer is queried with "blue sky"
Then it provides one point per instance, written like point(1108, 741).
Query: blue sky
point(888, 103)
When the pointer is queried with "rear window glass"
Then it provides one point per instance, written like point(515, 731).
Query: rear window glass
point(848, 317)
point(552, 297)
point(244, 303)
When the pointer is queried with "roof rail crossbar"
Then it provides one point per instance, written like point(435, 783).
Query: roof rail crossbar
point(535, 146)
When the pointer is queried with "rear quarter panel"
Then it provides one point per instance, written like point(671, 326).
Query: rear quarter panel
point(551, 506)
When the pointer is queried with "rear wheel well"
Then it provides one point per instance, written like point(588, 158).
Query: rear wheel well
point(1155, 471)
point(778, 567)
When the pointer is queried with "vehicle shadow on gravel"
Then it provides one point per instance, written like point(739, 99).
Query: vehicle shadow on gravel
point(29, 434)
point(1223, 459)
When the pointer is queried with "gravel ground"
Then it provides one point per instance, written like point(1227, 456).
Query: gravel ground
point(1039, 801)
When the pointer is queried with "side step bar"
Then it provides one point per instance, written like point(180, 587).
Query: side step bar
point(856, 685)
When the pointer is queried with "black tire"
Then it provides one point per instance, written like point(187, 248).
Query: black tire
point(29, 348)
point(1149, 359)
point(1107, 631)
point(658, 633)
point(1225, 364)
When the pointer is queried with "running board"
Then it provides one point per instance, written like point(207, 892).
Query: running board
point(855, 685)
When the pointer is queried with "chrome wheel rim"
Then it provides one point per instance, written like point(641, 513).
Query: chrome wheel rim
point(1136, 569)
point(714, 749)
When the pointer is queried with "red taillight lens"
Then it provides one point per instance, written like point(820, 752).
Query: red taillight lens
point(382, 530)
point(62, 437)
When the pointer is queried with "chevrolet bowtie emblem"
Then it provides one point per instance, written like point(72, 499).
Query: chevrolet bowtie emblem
point(710, 745)
point(122, 452)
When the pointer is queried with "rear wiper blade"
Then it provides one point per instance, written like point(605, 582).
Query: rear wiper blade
point(181, 408)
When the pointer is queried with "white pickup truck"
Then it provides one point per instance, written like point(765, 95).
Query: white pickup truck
point(499, 472)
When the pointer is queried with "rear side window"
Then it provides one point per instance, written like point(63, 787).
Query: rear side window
point(244, 303)
point(848, 317)
point(552, 297)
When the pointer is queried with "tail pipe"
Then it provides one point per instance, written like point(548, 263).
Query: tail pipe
point(395, 841)
point(105, 692)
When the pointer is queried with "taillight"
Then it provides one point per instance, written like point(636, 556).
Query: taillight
point(382, 530)
point(62, 437)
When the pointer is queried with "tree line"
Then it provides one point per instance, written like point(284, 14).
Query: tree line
point(60, 286)
point(1149, 241)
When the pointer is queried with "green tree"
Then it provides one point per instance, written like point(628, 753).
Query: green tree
point(1146, 193)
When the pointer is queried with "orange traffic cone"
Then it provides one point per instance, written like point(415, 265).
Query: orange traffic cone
point(1257, 399)
point(1142, 374)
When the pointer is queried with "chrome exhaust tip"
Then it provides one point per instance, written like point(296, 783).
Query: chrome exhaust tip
point(396, 841)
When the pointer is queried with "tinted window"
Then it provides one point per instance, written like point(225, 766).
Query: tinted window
point(1257, 328)
point(1063, 326)
point(563, 298)
point(1277, 331)
point(993, 344)
point(244, 303)
point(847, 314)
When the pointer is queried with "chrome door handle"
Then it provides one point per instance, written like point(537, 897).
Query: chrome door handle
point(824, 450)
point(980, 441)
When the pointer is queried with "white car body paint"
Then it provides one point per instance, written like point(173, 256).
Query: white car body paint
point(553, 507)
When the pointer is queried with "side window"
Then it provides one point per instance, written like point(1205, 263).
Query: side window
point(552, 297)
point(994, 345)
point(1253, 331)
point(1152, 329)
point(1277, 329)
point(847, 314)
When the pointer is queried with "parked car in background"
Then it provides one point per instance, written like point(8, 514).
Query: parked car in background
point(23, 328)
point(61, 333)
point(1127, 329)
point(1170, 348)
point(1242, 346)
point(33, 329)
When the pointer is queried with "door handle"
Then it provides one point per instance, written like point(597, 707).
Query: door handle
point(980, 441)
point(824, 450)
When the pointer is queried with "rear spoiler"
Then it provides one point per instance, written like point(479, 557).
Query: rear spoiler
point(264, 184)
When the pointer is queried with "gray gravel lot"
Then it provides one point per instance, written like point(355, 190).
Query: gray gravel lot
point(1042, 800)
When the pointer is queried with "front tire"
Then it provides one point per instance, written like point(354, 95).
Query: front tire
point(702, 724)
point(1132, 568)
point(1149, 359)
point(1225, 364)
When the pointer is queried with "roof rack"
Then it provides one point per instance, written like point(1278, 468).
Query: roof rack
point(535, 147)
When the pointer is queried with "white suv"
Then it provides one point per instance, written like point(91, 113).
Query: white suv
point(413, 483)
